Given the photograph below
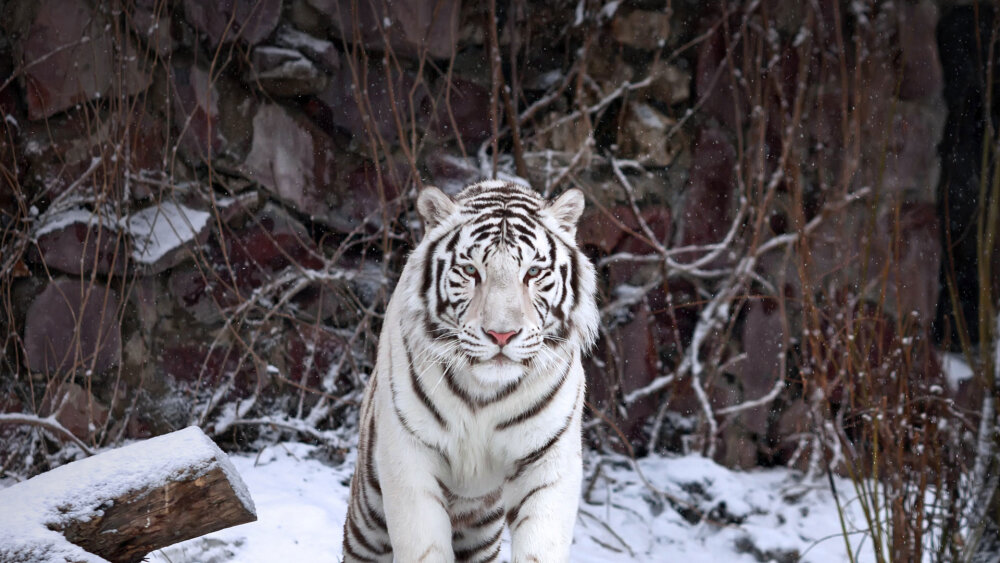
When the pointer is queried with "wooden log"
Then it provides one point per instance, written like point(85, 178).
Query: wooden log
point(122, 504)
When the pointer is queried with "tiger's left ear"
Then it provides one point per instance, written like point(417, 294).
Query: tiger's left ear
point(567, 209)
point(434, 206)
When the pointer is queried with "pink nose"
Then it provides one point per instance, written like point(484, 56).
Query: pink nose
point(502, 338)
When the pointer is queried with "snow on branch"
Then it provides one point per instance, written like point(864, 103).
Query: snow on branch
point(49, 423)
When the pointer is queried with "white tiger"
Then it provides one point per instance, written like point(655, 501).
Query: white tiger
point(472, 416)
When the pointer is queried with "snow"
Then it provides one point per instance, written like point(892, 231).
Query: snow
point(955, 368)
point(76, 491)
point(609, 9)
point(291, 37)
point(649, 117)
point(279, 52)
point(770, 514)
point(158, 229)
point(56, 221)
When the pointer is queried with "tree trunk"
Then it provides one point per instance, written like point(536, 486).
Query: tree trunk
point(122, 504)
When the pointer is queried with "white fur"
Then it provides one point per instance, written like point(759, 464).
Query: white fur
point(410, 457)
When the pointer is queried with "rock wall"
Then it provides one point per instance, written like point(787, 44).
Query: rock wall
point(205, 204)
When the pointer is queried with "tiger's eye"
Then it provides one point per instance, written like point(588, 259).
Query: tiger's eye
point(534, 271)
point(469, 269)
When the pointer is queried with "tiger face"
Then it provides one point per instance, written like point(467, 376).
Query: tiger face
point(502, 279)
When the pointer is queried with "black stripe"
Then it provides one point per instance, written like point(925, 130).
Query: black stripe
point(453, 241)
point(505, 199)
point(437, 498)
point(501, 394)
point(552, 249)
point(442, 301)
point(562, 333)
point(370, 476)
point(380, 549)
point(349, 550)
point(402, 419)
point(474, 402)
point(376, 517)
point(557, 310)
point(503, 195)
point(444, 489)
point(489, 518)
point(449, 379)
point(512, 513)
point(524, 462)
point(403, 422)
point(485, 227)
point(539, 305)
point(436, 330)
point(487, 208)
point(538, 406)
point(418, 389)
point(493, 556)
point(469, 552)
point(525, 230)
point(574, 277)
point(505, 214)
point(356, 505)
point(428, 277)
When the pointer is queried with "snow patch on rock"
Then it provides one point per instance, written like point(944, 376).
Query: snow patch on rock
point(162, 228)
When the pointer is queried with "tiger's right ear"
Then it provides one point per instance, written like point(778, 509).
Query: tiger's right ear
point(434, 206)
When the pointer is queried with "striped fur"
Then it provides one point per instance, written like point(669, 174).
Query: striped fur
point(460, 435)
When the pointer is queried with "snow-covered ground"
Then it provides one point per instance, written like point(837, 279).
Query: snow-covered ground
point(761, 515)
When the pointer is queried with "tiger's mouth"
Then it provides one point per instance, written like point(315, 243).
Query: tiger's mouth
point(501, 359)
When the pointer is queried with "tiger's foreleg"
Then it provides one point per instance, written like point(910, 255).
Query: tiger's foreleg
point(416, 510)
point(542, 502)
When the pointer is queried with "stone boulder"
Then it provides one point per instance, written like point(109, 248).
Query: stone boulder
point(196, 117)
point(922, 73)
point(225, 21)
point(284, 72)
point(164, 235)
point(320, 51)
point(150, 21)
point(382, 103)
point(410, 28)
point(464, 110)
point(252, 256)
point(451, 173)
point(641, 29)
point(69, 57)
point(73, 325)
point(643, 136)
point(671, 84)
point(292, 159)
point(298, 163)
point(709, 190)
point(76, 409)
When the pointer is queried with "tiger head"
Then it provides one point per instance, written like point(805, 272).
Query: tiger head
point(503, 287)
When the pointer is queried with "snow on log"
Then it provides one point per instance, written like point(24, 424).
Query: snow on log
point(122, 504)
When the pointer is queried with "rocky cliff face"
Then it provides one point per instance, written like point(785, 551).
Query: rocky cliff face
point(205, 205)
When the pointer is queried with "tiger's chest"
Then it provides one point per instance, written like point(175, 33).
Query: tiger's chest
point(485, 446)
point(478, 458)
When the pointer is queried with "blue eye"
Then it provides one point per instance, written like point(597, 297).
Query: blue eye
point(534, 271)
point(470, 270)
